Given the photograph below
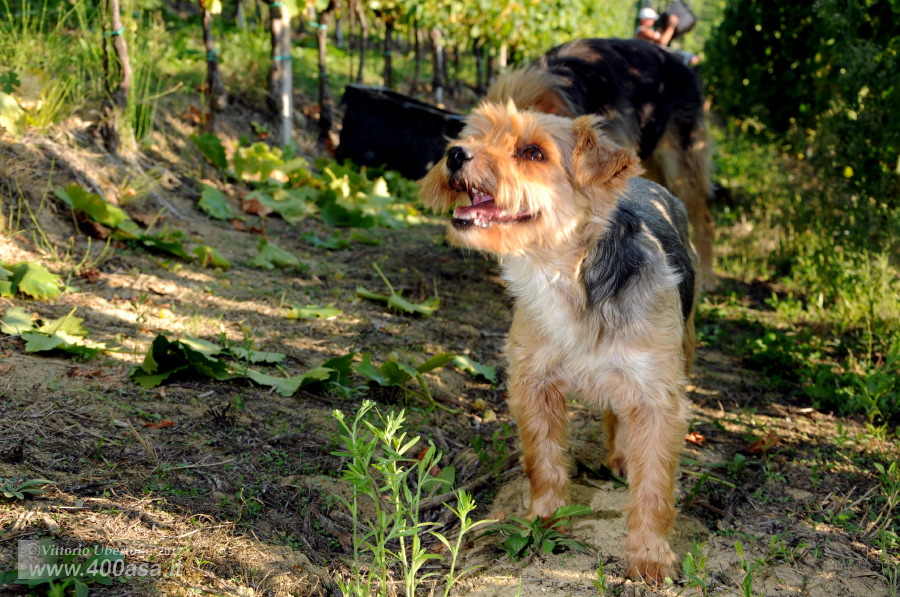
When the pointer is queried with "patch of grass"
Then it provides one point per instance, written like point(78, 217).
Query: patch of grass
point(54, 47)
point(829, 331)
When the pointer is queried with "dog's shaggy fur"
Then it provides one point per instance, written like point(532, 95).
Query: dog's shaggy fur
point(599, 263)
point(652, 102)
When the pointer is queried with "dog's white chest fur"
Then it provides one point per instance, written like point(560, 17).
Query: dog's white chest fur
point(547, 295)
point(572, 344)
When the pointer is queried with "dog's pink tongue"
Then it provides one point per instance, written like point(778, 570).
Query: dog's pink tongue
point(485, 209)
point(478, 198)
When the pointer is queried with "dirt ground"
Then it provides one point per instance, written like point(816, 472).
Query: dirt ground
point(231, 487)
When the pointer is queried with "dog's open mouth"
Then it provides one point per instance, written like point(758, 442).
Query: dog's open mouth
point(484, 213)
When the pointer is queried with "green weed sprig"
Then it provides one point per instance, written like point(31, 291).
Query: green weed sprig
point(379, 471)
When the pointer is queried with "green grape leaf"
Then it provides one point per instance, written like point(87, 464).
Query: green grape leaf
point(214, 203)
point(476, 369)
point(33, 279)
point(210, 257)
point(312, 311)
point(270, 256)
point(16, 321)
point(211, 147)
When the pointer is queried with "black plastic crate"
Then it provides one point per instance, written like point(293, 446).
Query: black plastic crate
point(385, 128)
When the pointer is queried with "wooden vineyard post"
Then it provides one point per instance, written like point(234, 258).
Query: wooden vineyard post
point(437, 82)
point(388, 52)
point(363, 37)
point(417, 53)
point(281, 87)
point(326, 103)
point(116, 96)
point(217, 99)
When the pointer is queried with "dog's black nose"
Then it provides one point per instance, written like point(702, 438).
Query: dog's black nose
point(456, 157)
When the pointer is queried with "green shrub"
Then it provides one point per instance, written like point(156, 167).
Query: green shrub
point(821, 79)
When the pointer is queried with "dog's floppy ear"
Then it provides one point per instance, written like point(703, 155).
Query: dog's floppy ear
point(597, 161)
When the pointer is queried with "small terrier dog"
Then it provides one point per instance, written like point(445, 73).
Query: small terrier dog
point(652, 103)
point(600, 266)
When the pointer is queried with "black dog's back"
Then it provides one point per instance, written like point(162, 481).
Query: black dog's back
point(635, 84)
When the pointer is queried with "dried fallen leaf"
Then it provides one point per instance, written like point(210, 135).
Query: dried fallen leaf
point(148, 219)
point(91, 373)
point(764, 444)
point(696, 438)
point(239, 225)
point(159, 425)
point(254, 207)
point(92, 275)
point(192, 115)
point(435, 470)
point(5, 368)
point(94, 229)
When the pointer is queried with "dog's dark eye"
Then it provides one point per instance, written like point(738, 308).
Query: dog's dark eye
point(532, 153)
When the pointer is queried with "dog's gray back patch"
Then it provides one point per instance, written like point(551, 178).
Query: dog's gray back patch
point(621, 257)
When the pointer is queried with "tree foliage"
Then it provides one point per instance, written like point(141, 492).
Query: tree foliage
point(823, 76)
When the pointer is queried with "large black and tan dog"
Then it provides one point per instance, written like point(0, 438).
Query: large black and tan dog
point(652, 103)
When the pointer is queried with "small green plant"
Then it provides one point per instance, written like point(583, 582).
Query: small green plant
point(9, 81)
point(394, 374)
point(541, 536)
point(702, 479)
point(330, 242)
point(381, 473)
point(890, 482)
point(465, 505)
point(475, 369)
point(18, 488)
point(750, 571)
point(396, 302)
point(269, 256)
point(600, 584)
point(312, 312)
point(214, 203)
point(694, 568)
point(113, 222)
point(734, 467)
point(494, 456)
point(166, 358)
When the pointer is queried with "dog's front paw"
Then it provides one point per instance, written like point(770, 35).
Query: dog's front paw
point(649, 571)
point(649, 559)
point(545, 505)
